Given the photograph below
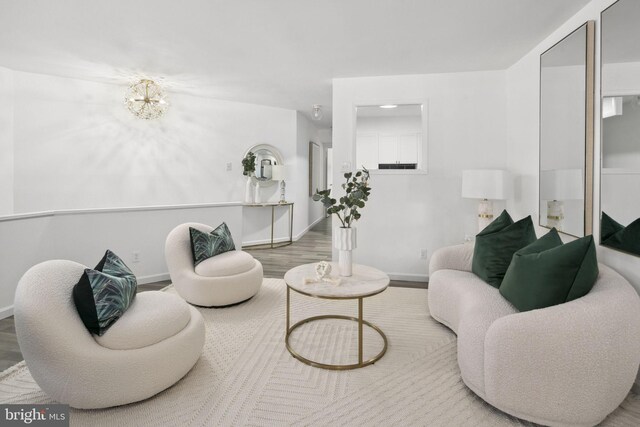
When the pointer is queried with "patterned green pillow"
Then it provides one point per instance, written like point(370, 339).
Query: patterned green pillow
point(207, 245)
point(104, 293)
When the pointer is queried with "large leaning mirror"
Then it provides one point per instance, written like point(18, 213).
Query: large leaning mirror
point(620, 159)
point(389, 137)
point(566, 134)
point(267, 156)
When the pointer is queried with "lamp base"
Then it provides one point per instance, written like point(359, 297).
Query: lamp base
point(555, 214)
point(282, 186)
point(485, 214)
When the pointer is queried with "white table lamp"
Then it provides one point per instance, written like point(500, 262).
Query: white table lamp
point(486, 185)
point(278, 173)
point(557, 186)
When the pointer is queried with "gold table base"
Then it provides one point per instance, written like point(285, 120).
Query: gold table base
point(361, 363)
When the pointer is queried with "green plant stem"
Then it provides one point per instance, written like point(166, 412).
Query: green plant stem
point(340, 218)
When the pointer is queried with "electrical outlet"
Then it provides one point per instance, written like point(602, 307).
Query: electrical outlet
point(346, 167)
point(423, 253)
point(135, 256)
point(229, 166)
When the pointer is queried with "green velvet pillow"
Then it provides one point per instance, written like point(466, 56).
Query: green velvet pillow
point(547, 273)
point(496, 244)
point(617, 236)
point(207, 245)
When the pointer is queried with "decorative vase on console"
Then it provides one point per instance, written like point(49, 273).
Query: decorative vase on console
point(256, 193)
point(249, 192)
point(344, 238)
point(248, 170)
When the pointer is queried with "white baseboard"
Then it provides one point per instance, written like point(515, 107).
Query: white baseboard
point(409, 277)
point(152, 278)
point(309, 227)
point(265, 241)
point(6, 312)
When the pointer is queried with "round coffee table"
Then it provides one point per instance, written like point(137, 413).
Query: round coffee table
point(365, 282)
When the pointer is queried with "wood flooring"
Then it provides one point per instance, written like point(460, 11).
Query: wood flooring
point(314, 246)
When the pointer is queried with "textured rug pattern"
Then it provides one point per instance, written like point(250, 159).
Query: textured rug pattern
point(246, 377)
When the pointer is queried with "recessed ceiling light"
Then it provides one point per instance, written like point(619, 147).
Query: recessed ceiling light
point(389, 106)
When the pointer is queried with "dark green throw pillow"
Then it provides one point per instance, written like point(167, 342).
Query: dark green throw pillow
point(496, 244)
point(207, 245)
point(104, 293)
point(617, 236)
point(547, 273)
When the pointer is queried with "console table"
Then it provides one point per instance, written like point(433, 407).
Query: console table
point(273, 206)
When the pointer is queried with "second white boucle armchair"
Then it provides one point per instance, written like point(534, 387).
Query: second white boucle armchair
point(224, 279)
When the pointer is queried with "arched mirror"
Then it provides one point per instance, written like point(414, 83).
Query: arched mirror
point(267, 156)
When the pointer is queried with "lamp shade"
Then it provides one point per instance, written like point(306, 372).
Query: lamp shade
point(278, 173)
point(561, 184)
point(490, 184)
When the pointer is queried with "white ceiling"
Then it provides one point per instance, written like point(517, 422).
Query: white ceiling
point(282, 53)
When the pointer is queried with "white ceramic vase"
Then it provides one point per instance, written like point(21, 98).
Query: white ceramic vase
point(344, 239)
point(256, 193)
point(249, 191)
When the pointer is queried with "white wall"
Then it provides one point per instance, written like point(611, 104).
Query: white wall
point(523, 132)
point(615, 198)
point(621, 136)
point(83, 236)
point(6, 141)
point(85, 150)
point(408, 212)
point(71, 144)
point(77, 146)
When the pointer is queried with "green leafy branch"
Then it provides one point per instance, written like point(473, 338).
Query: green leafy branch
point(357, 192)
point(249, 164)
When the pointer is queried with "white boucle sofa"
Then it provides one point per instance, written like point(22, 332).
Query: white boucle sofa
point(566, 365)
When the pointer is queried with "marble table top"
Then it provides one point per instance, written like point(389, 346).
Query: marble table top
point(365, 281)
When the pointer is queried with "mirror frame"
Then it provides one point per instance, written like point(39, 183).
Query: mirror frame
point(276, 153)
point(589, 126)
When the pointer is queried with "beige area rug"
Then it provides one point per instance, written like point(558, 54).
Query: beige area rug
point(246, 377)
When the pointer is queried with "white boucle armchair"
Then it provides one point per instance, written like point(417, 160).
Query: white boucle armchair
point(225, 279)
point(567, 365)
point(154, 344)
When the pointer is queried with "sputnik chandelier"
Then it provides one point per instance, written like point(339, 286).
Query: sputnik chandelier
point(146, 100)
